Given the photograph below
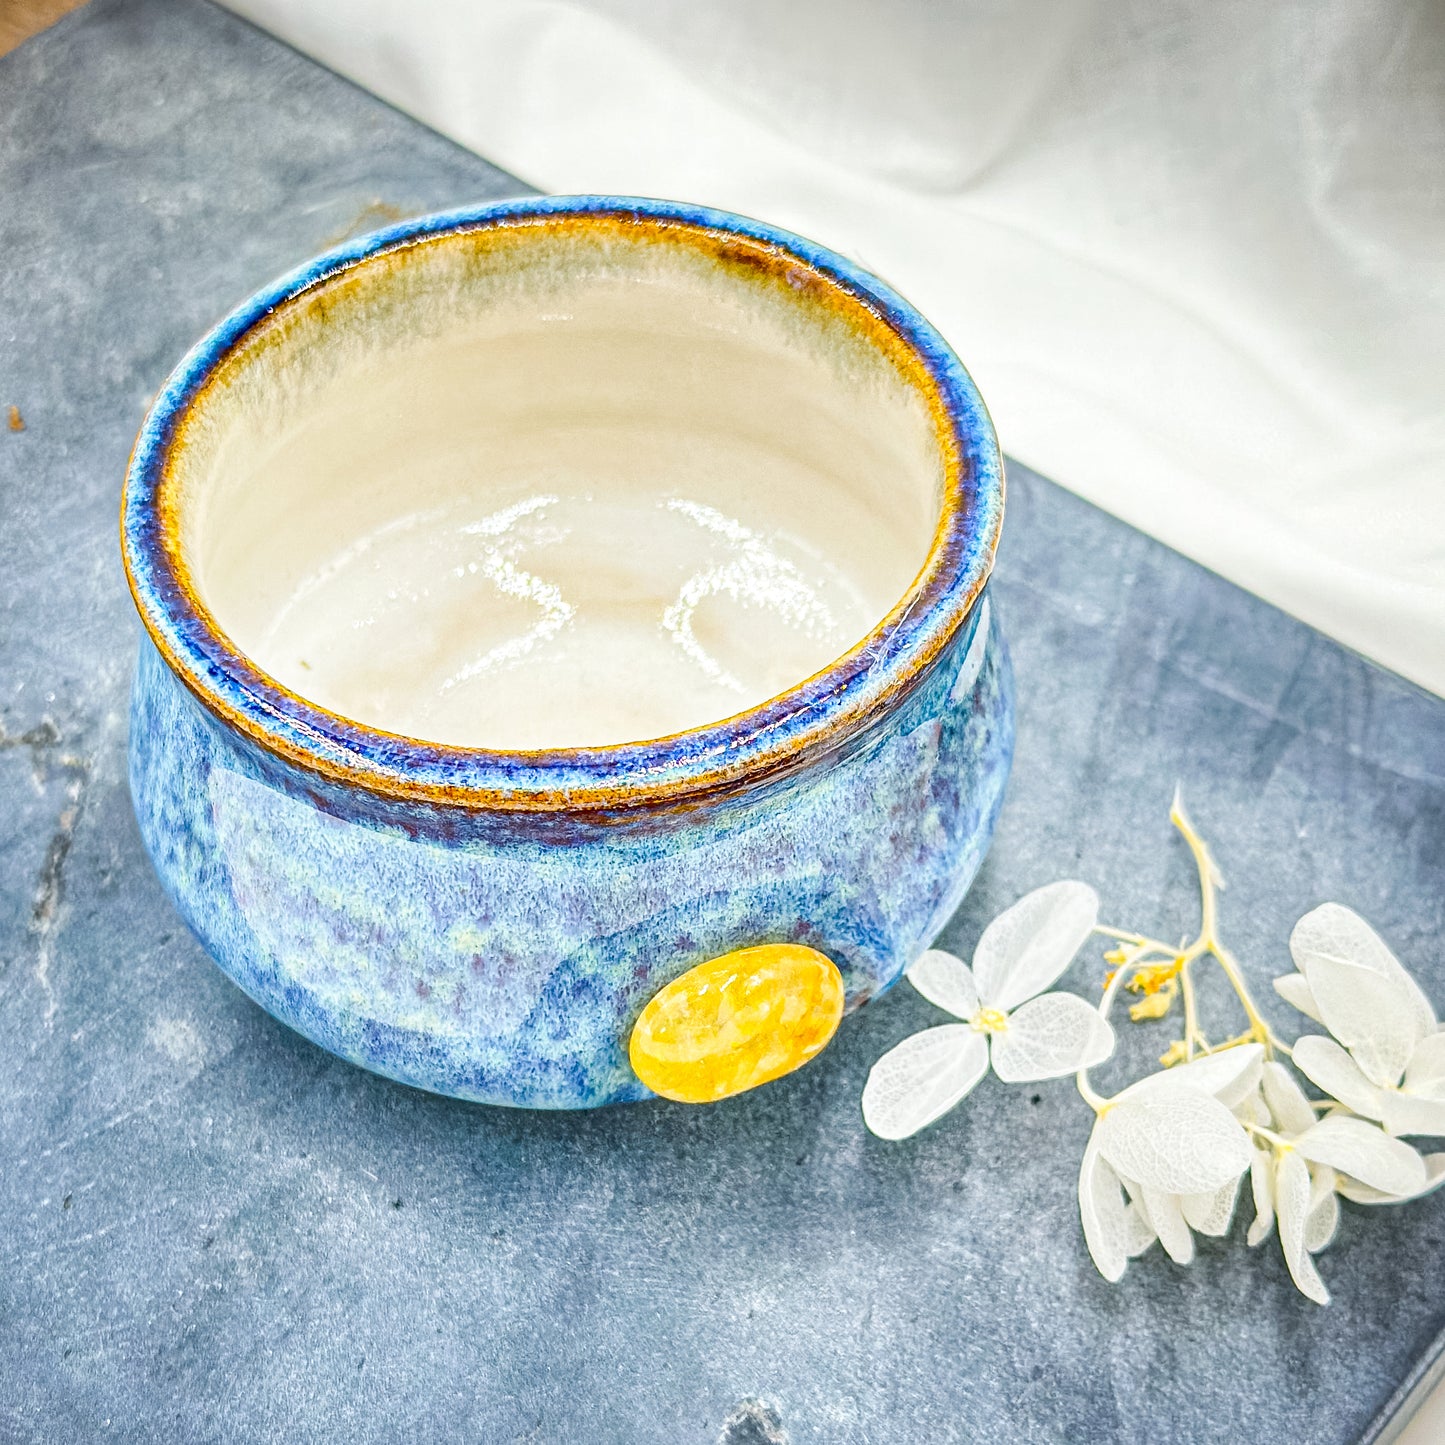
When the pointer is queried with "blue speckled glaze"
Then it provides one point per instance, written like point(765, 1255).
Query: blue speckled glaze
point(512, 972)
point(500, 953)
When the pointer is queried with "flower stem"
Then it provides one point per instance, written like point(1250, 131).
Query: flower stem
point(1258, 1027)
point(1122, 934)
point(1192, 1036)
point(1276, 1141)
point(1139, 952)
point(1097, 1102)
point(1208, 939)
point(1209, 878)
point(1136, 959)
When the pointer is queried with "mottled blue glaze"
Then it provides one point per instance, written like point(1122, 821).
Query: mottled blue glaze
point(512, 972)
point(502, 955)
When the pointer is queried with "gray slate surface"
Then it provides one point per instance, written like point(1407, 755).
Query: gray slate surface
point(210, 1230)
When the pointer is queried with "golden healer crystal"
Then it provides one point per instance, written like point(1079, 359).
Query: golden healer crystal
point(737, 1021)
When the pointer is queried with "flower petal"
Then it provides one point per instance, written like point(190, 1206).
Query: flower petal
point(1322, 1222)
point(1166, 1217)
point(1291, 1110)
point(1341, 933)
point(1210, 1213)
point(922, 1079)
point(946, 982)
point(1253, 1110)
point(1294, 989)
point(1322, 1182)
point(1178, 1142)
point(1362, 1193)
point(1030, 944)
point(1138, 1232)
point(1049, 1036)
point(1327, 1066)
point(1261, 1178)
point(1411, 1114)
point(1292, 1200)
point(1425, 1073)
point(1102, 1211)
point(1230, 1076)
point(1366, 999)
point(1363, 1151)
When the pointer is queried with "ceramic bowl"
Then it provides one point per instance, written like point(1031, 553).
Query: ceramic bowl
point(491, 923)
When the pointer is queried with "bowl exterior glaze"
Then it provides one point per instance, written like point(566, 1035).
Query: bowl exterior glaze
point(510, 969)
point(490, 925)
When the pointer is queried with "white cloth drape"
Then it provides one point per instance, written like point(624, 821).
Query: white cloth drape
point(1193, 253)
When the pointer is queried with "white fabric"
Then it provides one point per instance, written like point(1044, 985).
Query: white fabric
point(1193, 253)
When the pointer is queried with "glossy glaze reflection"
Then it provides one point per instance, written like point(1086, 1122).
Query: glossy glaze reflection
point(563, 620)
point(591, 497)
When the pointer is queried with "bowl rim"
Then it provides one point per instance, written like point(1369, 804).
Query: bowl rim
point(814, 718)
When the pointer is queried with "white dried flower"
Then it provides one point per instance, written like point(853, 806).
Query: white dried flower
point(1295, 1174)
point(1029, 1035)
point(1170, 1143)
point(1166, 1155)
point(1386, 1060)
point(1358, 1193)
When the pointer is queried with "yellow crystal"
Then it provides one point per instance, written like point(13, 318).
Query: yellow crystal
point(737, 1021)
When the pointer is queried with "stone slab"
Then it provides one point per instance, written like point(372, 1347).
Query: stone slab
point(211, 1230)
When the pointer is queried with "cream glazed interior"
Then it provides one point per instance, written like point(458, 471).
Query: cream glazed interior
point(557, 485)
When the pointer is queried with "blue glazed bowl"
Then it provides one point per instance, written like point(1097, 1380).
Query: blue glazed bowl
point(489, 924)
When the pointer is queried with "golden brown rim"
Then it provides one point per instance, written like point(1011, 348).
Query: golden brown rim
point(815, 717)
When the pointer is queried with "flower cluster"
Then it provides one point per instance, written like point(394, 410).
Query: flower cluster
point(1169, 1154)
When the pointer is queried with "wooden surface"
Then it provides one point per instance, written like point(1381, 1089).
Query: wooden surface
point(20, 19)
